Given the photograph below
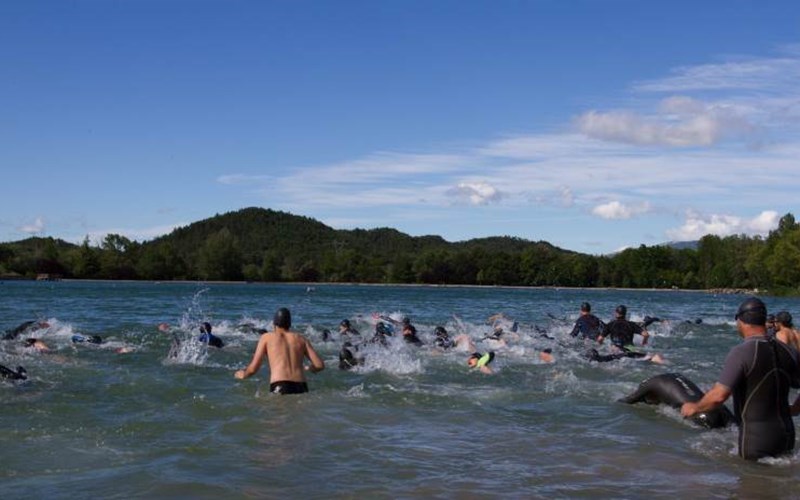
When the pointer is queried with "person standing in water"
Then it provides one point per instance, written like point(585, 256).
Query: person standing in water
point(758, 373)
point(285, 351)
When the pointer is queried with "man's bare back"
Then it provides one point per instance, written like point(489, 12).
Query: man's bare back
point(285, 351)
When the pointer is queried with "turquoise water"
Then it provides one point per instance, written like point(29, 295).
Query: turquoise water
point(91, 422)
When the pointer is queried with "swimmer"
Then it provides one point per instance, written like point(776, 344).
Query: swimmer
point(347, 358)
point(346, 329)
point(785, 330)
point(621, 332)
point(546, 355)
point(36, 344)
point(26, 327)
point(481, 361)
point(588, 326)
point(285, 351)
point(209, 338)
point(758, 373)
point(410, 333)
point(382, 330)
point(9, 374)
point(91, 339)
point(443, 339)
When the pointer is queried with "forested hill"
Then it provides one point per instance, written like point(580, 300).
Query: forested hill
point(257, 244)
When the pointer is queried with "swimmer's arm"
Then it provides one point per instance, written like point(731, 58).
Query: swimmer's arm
point(255, 364)
point(713, 398)
point(485, 369)
point(795, 408)
point(645, 336)
point(317, 364)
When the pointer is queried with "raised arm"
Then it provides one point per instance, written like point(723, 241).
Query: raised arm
point(258, 357)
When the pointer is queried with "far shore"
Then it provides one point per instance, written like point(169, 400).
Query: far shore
point(721, 291)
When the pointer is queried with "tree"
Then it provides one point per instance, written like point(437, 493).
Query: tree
point(220, 257)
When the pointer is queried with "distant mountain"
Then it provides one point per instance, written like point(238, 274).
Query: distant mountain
point(682, 245)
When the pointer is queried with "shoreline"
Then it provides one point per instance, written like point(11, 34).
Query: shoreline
point(717, 291)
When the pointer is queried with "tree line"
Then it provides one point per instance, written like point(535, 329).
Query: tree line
point(255, 244)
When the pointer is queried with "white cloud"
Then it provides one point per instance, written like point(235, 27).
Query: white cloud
point(746, 74)
point(35, 228)
point(696, 226)
point(680, 122)
point(476, 193)
point(617, 210)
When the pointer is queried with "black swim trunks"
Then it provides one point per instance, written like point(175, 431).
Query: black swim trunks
point(288, 387)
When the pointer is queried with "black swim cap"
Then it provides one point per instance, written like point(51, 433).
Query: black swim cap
point(345, 323)
point(440, 331)
point(621, 310)
point(282, 319)
point(784, 318)
point(752, 312)
point(205, 327)
point(586, 307)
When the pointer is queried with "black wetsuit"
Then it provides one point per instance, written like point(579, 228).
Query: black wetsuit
point(759, 373)
point(621, 332)
point(16, 332)
point(288, 387)
point(588, 326)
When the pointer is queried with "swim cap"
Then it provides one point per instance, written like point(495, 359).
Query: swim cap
point(282, 319)
point(406, 321)
point(752, 312)
point(784, 318)
point(621, 310)
point(345, 323)
point(586, 307)
point(440, 331)
point(205, 327)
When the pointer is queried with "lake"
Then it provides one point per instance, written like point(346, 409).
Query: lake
point(91, 422)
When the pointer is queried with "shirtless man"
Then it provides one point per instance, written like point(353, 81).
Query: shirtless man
point(785, 332)
point(285, 351)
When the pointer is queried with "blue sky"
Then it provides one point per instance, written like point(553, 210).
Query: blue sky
point(594, 125)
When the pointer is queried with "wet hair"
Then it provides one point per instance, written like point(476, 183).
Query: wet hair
point(752, 311)
point(784, 318)
point(345, 323)
point(440, 331)
point(586, 307)
point(205, 327)
point(282, 319)
point(621, 310)
point(475, 355)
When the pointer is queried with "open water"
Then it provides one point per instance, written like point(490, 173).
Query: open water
point(412, 422)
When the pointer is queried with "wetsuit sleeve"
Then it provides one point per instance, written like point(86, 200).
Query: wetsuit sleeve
point(576, 328)
point(637, 328)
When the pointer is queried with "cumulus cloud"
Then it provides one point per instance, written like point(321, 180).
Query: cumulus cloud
point(476, 193)
point(617, 210)
point(35, 228)
point(680, 122)
point(696, 225)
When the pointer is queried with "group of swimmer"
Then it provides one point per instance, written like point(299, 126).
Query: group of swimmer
point(758, 372)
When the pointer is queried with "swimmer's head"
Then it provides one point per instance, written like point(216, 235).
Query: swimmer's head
point(345, 323)
point(381, 329)
point(440, 331)
point(621, 311)
point(205, 327)
point(473, 358)
point(783, 318)
point(406, 321)
point(586, 307)
point(752, 312)
point(282, 319)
